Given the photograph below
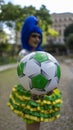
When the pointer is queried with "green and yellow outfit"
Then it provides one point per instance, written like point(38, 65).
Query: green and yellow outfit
point(33, 108)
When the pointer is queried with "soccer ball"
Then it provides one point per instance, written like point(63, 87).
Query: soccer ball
point(39, 72)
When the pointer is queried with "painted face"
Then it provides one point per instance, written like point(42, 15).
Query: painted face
point(34, 39)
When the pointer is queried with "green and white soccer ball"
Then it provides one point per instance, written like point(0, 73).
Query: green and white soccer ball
point(39, 72)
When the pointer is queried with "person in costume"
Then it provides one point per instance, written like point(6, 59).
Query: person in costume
point(29, 27)
point(32, 108)
point(31, 36)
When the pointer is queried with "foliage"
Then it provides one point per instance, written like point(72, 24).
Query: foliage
point(46, 20)
point(10, 12)
point(25, 11)
point(14, 15)
point(3, 37)
point(52, 32)
point(17, 14)
point(70, 41)
point(68, 37)
point(68, 30)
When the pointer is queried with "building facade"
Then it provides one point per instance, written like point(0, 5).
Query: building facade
point(60, 22)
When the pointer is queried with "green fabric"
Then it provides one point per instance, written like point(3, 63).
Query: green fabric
point(31, 110)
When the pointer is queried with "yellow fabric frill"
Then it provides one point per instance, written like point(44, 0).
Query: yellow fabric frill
point(43, 109)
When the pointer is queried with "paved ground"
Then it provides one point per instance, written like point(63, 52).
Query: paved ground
point(9, 121)
point(8, 66)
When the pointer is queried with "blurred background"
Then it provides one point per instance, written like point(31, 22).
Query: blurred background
point(56, 20)
point(57, 27)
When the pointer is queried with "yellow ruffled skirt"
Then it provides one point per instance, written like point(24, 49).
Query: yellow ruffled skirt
point(33, 108)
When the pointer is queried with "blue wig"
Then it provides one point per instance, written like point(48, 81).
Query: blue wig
point(30, 26)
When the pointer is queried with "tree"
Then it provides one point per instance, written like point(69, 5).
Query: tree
point(70, 41)
point(44, 21)
point(68, 30)
point(10, 12)
point(14, 15)
point(68, 37)
point(3, 37)
point(1, 3)
point(44, 17)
